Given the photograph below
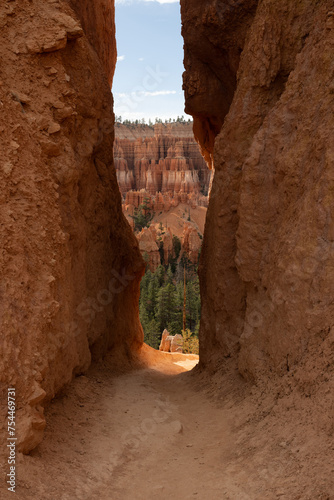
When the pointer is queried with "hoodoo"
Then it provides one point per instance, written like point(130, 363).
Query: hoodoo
point(162, 159)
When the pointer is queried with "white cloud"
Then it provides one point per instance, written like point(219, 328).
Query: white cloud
point(158, 93)
point(144, 93)
point(120, 58)
point(141, 59)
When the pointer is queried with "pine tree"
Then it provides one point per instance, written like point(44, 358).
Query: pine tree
point(152, 336)
point(152, 296)
point(169, 275)
point(193, 304)
point(165, 306)
point(160, 274)
point(143, 215)
point(161, 302)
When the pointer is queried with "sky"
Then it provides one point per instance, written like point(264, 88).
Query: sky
point(148, 77)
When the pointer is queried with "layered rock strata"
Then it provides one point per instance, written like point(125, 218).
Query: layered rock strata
point(167, 167)
point(161, 166)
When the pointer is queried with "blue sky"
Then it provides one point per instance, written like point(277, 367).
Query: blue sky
point(148, 77)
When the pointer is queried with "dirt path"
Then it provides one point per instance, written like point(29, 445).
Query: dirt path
point(152, 434)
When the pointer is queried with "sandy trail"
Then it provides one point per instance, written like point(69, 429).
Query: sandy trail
point(154, 434)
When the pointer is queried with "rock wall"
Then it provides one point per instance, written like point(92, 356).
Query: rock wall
point(98, 21)
point(214, 34)
point(69, 264)
point(267, 261)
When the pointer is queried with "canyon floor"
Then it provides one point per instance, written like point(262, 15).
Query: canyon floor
point(163, 432)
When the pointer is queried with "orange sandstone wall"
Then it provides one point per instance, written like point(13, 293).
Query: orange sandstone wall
point(267, 263)
point(69, 263)
point(98, 21)
point(214, 34)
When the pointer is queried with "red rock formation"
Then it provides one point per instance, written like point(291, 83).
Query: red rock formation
point(164, 170)
point(176, 344)
point(169, 163)
point(214, 39)
point(98, 21)
point(191, 243)
point(267, 259)
point(148, 246)
point(165, 341)
point(150, 240)
point(70, 265)
point(157, 236)
point(171, 343)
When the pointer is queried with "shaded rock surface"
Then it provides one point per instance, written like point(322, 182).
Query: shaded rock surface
point(69, 264)
point(267, 261)
point(214, 34)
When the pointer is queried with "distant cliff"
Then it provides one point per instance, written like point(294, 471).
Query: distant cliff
point(162, 165)
point(162, 161)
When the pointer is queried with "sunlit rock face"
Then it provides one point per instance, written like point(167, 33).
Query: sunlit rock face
point(161, 167)
point(259, 83)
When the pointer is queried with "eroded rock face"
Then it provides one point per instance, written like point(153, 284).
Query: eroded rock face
point(176, 344)
point(149, 248)
point(214, 34)
point(98, 21)
point(70, 264)
point(162, 167)
point(267, 262)
point(165, 341)
point(156, 245)
point(171, 343)
point(191, 243)
point(166, 166)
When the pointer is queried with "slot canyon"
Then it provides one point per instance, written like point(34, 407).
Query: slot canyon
point(99, 414)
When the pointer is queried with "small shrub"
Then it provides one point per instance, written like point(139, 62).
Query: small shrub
point(190, 342)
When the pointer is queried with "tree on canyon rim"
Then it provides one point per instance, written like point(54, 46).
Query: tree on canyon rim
point(143, 215)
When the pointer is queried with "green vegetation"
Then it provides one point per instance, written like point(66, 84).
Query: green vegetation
point(179, 119)
point(190, 342)
point(161, 301)
point(143, 215)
